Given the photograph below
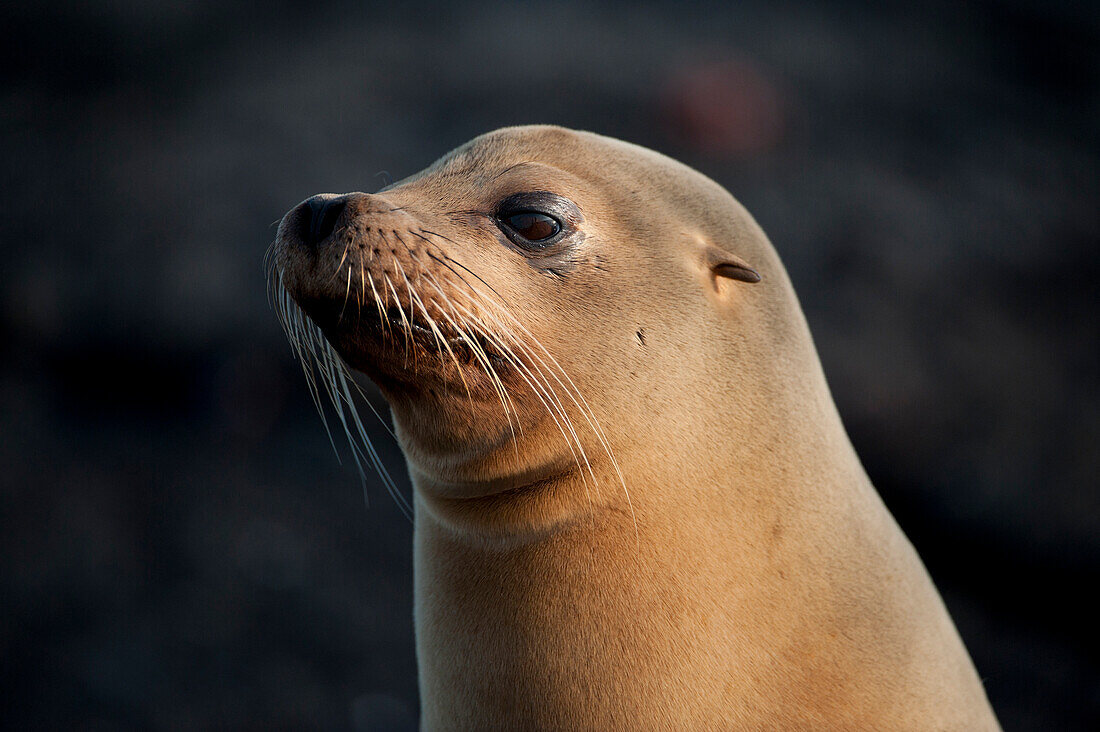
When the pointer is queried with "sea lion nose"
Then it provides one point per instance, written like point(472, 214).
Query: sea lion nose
point(319, 216)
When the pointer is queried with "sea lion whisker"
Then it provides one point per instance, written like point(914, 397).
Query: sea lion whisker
point(292, 323)
point(581, 403)
point(302, 354)
point(406, 326)
point(501, 390)
point(273, 280)
point(574, 395)
point(375, 459)
point(363, 395)
point(347, 292)
point(455, 261)
point(340, 264)
point(512, 167)
point(308, 360)
point(314, 331)
point(330, 368)
point(539, 387)
point(554, 406)
point(397, 262)
point(412, 255)
point(444, 341)
point(561, 420)
point(436, 333)
point(336, 378)
point(478, 277)
point(486, 363)
point(429, 232)
point(303, 330)
point(409, 288)
point(362, 282)
point(313, 350)
point(545, 394)
point(476, 347)
point(382, 319)
point(509, 407)
point(477, 293)
point(446, 264)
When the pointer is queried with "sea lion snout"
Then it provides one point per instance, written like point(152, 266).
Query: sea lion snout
point(318, 217)
point(314, 221)
point(382, 289)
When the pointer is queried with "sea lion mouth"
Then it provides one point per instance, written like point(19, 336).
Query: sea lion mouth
point(431, 335)
point(404, 339)
point(401, 330)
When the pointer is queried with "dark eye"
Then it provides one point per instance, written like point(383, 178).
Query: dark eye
point(539, 223)
point(533, 226)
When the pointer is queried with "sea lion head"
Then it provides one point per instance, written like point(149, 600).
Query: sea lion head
point(539, 303)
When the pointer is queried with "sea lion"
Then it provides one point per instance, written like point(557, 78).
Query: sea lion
point(636, 506)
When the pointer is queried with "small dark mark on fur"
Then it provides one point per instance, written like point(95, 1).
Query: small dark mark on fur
point(640, 335)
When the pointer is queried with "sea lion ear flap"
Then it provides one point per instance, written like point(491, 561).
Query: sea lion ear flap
point(724, 264)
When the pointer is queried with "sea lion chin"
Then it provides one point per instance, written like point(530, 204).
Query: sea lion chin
point(635, 503)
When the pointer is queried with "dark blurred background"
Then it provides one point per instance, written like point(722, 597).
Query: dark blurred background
point(179, 546)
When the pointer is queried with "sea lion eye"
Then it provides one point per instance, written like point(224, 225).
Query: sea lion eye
point(533, 226)
point(538, 223)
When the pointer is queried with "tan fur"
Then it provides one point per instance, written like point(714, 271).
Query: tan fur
point(743, 574)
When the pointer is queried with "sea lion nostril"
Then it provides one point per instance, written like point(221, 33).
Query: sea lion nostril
point(321, 217)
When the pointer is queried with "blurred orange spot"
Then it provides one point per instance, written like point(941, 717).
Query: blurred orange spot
point(723, 108)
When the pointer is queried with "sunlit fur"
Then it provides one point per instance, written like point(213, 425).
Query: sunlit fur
point(635, 504)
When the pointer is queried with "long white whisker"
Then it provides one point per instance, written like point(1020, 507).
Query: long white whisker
point(545, 395)
point(483, 359)
point(407, 327)
point(570, 388)
point(312, 349)
point(347, 292)
point(544, 392)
